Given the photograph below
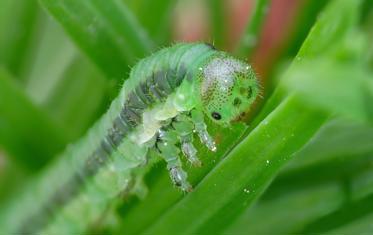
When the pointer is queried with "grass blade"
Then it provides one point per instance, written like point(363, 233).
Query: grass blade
point(155, 16)
point(344, 89)
point(218, 22)
point(289, 211)
point(63, 82)
point(105, 30)
point(252, 32)
point(336, 22)
point(360, 226)
point(48, 63)
point(313, 207)
point(18, 19)
point(339, 138)
point(88, 96)
point(305, 19)
point(351, 212)
point(24, 129)
point(316, 183)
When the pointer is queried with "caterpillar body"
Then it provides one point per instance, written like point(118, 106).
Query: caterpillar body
point(160, 107)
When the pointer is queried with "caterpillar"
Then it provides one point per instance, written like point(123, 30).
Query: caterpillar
point(161, 107)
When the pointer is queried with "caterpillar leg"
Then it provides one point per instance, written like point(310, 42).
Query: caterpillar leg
point(167, 140)
point(200, 127)
point(184, 128)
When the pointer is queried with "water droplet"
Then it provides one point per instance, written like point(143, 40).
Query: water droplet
point(246, 190)
point(267, 161)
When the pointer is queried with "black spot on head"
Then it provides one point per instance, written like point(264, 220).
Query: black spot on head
point(249, 92)
point(216, 115)
point(237, 102)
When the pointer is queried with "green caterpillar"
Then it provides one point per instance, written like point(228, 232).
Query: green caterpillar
point(159, 108)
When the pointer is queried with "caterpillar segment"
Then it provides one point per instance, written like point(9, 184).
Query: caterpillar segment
point(162, 106)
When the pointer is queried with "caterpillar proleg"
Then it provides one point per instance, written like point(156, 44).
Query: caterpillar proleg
point(161, 107)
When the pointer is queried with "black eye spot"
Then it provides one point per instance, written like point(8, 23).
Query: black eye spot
point(216, 115)
point(236, 102)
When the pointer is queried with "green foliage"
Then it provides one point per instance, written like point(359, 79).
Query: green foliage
point(105, 30)
point(15, 42)
point(252, 32)
point(218, 22)
point(303, 164)
point(24, 128)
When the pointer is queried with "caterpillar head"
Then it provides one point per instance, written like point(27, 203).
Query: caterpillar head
point(228, 88)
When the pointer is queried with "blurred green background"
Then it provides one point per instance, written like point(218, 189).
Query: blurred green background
point(303, 163)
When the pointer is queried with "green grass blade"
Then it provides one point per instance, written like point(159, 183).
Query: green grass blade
point(339, 138)
point(87, 95)
point(49, 62)
point(316, 182)
point(289, 211)
point(218, 22)
point(244, 174)
point(344, 89)
point(64, 83)
point(11, 177)
point(316, 206)
point(305, 19)
point(360, 226)
point(253, 28)
point(105, 30)
point(18, 19)
point(26, 133)
point(308, 195)
point(351, 212)
point(339, 150)
point(335, 23)
point(155, 16)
